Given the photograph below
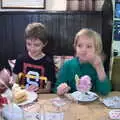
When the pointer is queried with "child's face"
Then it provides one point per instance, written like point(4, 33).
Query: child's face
point(34, 47)
point(84, 48)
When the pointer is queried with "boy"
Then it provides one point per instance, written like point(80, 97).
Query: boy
point(35, 70)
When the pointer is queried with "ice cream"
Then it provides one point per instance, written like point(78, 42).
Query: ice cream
point(84, 84)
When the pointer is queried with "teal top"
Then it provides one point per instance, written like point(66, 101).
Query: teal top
point(72, 67)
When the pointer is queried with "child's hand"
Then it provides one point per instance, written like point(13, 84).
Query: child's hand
point(62, 89)
point(94, 59)
point(97, 63)
point(33, 88)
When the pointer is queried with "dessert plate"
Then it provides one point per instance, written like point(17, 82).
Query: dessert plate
point(112, 102)
point(32, 96)
point(87, 97)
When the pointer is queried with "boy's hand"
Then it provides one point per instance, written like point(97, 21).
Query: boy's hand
point(33, 88)
point(62, 89)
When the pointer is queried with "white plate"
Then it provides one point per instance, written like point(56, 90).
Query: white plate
point(112, 102)
point(89, 97)
point(32, 96)
point(114, 114)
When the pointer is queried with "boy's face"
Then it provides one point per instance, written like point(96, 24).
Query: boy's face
point(34, 47)
point(85, 48)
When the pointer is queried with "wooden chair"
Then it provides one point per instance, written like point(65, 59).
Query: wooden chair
point(115, 75)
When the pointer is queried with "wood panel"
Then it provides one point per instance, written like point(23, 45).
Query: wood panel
point(62, 27)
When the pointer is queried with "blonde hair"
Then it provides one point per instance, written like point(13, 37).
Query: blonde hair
point(91, 34)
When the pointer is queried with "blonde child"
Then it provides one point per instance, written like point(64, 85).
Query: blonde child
point(87, 61)
point(34, 68)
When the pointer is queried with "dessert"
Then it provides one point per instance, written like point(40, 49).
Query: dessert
point(83, 84)
point(15, 88)
point(19, 95)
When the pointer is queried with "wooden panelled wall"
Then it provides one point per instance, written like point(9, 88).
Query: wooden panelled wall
point(62, 27)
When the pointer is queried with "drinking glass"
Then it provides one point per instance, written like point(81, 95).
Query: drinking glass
point(32, 111)
point(13, 112)
point(51, 112)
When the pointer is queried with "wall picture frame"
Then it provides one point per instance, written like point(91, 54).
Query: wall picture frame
point(23, 4)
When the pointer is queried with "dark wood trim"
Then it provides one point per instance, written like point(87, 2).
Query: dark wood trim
point(49, 12)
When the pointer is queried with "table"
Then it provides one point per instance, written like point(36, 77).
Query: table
point(74, 111)
point(88, 111)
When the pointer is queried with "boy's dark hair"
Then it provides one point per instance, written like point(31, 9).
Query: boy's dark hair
point(36, 30)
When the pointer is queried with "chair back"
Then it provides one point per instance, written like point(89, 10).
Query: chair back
point(115, 76)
